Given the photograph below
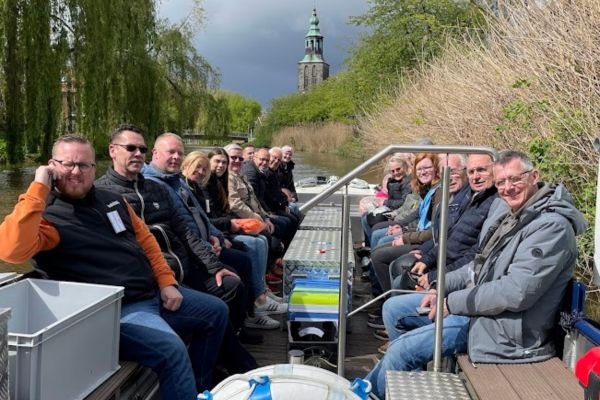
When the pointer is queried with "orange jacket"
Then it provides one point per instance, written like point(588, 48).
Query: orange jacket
point(25, 232)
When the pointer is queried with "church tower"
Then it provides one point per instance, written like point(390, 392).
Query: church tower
point(312, 69)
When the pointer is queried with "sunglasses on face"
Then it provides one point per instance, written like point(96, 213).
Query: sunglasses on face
point(236, 158)
point(132, 148)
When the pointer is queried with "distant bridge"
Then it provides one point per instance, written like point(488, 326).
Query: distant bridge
point(198, 138)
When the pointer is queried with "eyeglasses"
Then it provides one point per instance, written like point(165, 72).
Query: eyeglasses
point(513, 180)
point(424, 169)
point(132, 148)
point(236, 158)
point(70, 165)
point(457, 171)
point(483, 170)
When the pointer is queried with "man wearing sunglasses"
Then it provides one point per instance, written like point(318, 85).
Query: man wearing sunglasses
point(77, 232)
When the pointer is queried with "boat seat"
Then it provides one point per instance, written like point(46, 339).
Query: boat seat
point(549, 379)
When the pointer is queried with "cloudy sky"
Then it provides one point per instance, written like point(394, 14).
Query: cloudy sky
point(256, 44)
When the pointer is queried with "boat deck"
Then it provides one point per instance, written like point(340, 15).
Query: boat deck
point(361, 345)
point(323, 225)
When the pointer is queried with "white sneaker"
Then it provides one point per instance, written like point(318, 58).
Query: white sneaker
point(273, 296)
point(270, 307)
point(261, 322)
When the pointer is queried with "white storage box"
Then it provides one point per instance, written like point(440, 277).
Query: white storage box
point(63, 337)
point(4, 315)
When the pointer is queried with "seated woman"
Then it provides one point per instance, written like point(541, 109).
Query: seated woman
point(206, 175)
point(398, 187)
point(412, 214)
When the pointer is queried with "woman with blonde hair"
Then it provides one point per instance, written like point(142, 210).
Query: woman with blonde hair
point(207, 176)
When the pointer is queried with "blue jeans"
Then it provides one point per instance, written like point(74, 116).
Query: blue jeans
point(258, 250)
point(150, 336)
point(380, 236)
point(412, 337)
point(366, 229)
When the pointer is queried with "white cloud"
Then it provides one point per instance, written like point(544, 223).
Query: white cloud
point(257, 44)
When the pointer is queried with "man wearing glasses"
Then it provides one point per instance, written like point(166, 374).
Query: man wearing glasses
point(500, 307)
point(77, 232)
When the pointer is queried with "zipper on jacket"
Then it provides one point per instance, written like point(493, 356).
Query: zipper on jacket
point(170, 250)
point(142, 203)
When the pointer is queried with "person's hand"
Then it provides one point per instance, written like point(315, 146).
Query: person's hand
point(45, 174)
point(216, 245)
point(423, 281)
point(235, 227)
point(445, 311)
point(417, 253)
point(223, 272)
point(227, 243)
point(418, 268)
point(398, 241)
point(393, 229)
point(270, 226)
point(171, 298)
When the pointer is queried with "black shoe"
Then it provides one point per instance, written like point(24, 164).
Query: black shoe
point(246, 337)
point(376, 323)
point(364, 251)
point(365, 276)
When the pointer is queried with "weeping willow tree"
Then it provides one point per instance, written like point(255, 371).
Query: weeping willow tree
point(100, 63)
point(188, 76)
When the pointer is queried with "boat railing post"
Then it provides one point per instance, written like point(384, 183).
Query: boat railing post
point(441, 268)
point(343, 181)
point(343, 299)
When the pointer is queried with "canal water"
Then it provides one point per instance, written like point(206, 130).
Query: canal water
point(15, 181)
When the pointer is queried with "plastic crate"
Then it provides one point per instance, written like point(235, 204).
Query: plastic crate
point(63, 337)
point(4, 315)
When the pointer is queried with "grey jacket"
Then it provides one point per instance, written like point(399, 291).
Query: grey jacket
point(514, 299)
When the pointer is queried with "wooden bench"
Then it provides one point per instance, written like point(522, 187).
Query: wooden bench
point(122, 381)
point(545, 380)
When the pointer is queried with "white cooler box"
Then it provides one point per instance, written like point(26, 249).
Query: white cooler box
point(63, 337)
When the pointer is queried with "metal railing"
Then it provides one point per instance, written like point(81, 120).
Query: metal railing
point(441, 260)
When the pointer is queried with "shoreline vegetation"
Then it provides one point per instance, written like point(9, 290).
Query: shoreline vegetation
point(531, 83)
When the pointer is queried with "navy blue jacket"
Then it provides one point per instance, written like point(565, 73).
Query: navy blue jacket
point(462, 244)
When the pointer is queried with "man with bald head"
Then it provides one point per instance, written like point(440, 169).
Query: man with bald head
point(77, 232)
point(256, 172)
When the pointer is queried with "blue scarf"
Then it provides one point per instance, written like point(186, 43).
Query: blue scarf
point(424, 221)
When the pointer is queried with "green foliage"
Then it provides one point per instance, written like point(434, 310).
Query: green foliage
point(244, 111)
point(403, 35)
point(85, 65)
point(3, 152)
point(353, 148)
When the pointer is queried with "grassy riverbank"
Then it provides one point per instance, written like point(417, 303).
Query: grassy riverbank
point(531, 85)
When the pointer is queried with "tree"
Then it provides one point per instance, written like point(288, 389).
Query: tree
point(244, 111)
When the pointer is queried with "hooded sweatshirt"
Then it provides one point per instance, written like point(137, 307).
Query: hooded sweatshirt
point(513, 293)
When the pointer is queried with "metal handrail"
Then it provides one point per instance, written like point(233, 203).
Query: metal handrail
point(441, 262)
point(393, 148)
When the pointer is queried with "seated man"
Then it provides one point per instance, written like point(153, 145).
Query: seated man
point(194, 263)
point(500, 307)
point(255, 173)
point(83, 234)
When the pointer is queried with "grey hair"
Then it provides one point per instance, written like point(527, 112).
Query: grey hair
point(507, 156)
point(232, 146)
point(273, 150)
point(287, 148)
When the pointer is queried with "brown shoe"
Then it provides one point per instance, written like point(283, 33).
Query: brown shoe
point(383, 348)
point(381, 334)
